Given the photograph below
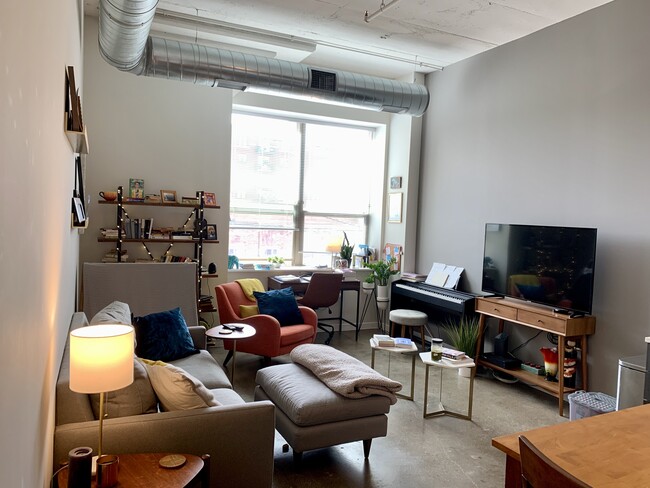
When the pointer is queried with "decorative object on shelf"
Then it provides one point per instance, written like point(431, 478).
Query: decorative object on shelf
point(136, 189)
point(233, 262)
point(346, 251)
point(168, 196)
point(152, 198)
point(395, 182)
point(570, 359)
point(550, 362)
point(209, 199)
point(190, 200)
point(79, 216)
point(395, 208)
point(101, 360)
point(109, 196)
point(211, 232)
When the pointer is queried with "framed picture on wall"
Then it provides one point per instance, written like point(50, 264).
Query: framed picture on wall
point(168, 196)
point(394, 207)
point(395, 182)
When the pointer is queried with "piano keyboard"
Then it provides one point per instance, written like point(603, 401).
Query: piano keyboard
point(436, 294)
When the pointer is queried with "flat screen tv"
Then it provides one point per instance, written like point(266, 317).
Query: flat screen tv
point(548, 265)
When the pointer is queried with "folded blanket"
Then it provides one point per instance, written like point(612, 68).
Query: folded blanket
point(249, 285)
point(344, 374)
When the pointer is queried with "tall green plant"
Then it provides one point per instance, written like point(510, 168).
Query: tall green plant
point(463, 334)
point(346, 249)
point(381, 271)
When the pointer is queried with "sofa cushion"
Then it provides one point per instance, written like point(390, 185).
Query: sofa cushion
point(204, 368)
point(280, 304)
point(135, 399)
point(177, 389)
point(163, 336)
point(113, 313)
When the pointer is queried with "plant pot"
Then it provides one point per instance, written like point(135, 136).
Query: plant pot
point(367, 287)
point(382, 291)
point(382, 303)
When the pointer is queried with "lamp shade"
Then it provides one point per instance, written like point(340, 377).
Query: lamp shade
point(101, 358)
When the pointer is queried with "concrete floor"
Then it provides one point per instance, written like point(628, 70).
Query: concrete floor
point(438, 452)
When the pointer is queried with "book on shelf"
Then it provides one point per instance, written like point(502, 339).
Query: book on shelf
point(403, 342)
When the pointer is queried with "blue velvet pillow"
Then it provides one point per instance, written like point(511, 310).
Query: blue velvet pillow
point(280, 304)
point(163, 336)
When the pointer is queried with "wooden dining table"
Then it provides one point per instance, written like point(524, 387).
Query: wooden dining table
point(607, 450)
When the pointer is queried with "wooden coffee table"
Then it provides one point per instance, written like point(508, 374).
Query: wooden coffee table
point(144, 471)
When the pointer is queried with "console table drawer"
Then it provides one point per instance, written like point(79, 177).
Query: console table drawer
point(542, 321)
point(496, 309)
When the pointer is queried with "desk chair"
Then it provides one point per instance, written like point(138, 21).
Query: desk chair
point(538, 471)
point(323, 291)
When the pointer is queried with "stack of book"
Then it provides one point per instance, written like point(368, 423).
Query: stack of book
point(111, 256)
point(205, 303)
point(382, 340)
point(413, 277)
point(176, 259)
point(108, 233)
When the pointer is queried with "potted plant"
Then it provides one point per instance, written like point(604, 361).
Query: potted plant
point(381, 273)
point(368, 284)
point(276, 261)
point(463, 335)
point(346, 250)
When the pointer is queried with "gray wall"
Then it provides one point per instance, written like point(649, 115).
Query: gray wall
point(550, 129)
point(38, 247)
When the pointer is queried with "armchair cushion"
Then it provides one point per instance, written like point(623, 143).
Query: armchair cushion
point(280, 304)
point(163, 336)
point(248, 311)
point(177, 389)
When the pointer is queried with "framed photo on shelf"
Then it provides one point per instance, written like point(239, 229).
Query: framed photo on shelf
point(395, 207)
point(168, 196)
point(136, 189)
point(79, 214)
point(209, 199)
point(212, 232)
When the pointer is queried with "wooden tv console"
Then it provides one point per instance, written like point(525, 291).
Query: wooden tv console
point(541, 318)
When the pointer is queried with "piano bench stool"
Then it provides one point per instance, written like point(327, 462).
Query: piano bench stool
point(408, 318)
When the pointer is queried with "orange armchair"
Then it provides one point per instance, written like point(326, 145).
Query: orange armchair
point(271, 339)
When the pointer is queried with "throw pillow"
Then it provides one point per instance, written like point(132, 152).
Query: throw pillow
point(177, 389)
point(248, 311)
point(113, 313)
point(280, 304)
point(135, 399)
point(163, 336)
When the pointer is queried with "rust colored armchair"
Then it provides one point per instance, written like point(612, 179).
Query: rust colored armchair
point(271, 339)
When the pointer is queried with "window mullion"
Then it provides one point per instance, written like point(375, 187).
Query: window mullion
point(299, 216)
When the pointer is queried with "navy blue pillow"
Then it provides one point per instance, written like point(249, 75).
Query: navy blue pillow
point(280, 304)
point(163, 336)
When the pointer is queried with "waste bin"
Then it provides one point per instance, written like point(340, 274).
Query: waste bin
point(631, 381)
point(589, 403)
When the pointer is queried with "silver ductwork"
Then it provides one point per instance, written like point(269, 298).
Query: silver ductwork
point(125, 43)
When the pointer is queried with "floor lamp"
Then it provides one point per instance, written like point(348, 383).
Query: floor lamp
point(101, 360)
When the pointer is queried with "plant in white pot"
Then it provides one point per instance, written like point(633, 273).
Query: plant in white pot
point(368, 284)
point(381, 273)
point(463, 335)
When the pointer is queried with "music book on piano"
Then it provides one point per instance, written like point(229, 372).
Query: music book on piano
point(413, 277)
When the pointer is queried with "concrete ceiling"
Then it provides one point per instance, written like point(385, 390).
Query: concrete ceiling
point(403, 37)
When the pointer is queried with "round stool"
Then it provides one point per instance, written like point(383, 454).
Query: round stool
point(408, 318)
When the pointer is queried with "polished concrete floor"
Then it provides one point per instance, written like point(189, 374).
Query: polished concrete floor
point(438, 452)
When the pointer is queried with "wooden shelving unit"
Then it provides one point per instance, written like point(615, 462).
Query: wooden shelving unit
point(541, 318)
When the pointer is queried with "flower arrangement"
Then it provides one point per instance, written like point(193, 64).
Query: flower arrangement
point(381, 271)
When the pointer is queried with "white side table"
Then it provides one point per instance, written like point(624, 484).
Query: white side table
point(218, 333)
point(441, 365)
point(397, 350)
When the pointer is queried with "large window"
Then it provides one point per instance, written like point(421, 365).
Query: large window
point(296, 186)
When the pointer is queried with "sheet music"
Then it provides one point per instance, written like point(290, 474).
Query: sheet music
point(444, 276)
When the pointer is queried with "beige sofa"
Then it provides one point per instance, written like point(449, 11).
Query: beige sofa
point(239, 436)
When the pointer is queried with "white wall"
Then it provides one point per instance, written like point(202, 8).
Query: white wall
point(550, 129)
point(38, 248)
point(174, 135)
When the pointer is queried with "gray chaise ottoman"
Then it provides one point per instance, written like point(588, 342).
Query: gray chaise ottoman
point(311, 416)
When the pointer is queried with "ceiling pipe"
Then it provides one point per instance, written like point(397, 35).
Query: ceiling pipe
point(382, 8)
point(125, 43)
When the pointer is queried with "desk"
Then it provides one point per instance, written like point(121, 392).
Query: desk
point(143, 471)
point(608, 450)
point(299, 288)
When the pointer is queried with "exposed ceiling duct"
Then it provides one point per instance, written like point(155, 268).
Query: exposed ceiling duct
point(124, 42)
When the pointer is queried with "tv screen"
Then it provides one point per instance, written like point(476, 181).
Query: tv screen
point(548, 265)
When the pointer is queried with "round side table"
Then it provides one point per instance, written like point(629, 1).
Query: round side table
point(235, 335)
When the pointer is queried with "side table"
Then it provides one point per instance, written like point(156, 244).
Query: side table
point(396, 350)
point(441, 365)
point(235, 335)
point(144, 471)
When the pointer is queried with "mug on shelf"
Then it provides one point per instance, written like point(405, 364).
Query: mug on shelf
point(109, 196)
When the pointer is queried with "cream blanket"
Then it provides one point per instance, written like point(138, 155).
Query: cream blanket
point(344, 374)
